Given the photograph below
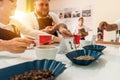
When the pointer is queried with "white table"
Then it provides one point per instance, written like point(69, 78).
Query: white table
point(107, 67)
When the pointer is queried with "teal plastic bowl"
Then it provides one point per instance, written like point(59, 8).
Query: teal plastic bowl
point(95, 47)
point(74, 54)
point(55, 66)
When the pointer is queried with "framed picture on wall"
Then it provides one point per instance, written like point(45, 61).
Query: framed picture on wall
point(86, 13)
point(75, 14)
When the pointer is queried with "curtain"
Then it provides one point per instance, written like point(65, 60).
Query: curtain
point(29, 5)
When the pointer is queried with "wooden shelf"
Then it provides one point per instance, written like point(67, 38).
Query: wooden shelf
point(106, 42)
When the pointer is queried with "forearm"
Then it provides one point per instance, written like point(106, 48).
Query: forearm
point(44, 30)
point(56, 39)
point(2, 45)
point(61, 28)
point(30, 31)
point(111, 27)
point(36, 33)
point(84, 34)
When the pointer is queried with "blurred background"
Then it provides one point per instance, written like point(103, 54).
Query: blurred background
point(106, 10)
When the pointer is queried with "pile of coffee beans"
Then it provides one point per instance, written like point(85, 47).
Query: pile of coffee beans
point(35, 75)
point(84, 58)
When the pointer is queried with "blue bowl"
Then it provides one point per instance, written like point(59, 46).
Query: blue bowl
point(74, 54)
point(95, 47)
point(55, 66)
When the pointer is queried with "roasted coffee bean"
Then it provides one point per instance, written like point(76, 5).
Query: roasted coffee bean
point(35, 75)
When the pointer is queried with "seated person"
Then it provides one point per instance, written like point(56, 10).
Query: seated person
point(42, 19)
point(11, 28)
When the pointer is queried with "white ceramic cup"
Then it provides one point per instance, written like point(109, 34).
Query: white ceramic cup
point(46, 52)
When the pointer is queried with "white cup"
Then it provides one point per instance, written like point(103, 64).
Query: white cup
point(85, 43)
point(46, 52)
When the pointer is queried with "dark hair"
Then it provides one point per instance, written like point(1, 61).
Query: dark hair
point(80, 18)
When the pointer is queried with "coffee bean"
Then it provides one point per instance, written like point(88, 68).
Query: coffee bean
point(35, 75)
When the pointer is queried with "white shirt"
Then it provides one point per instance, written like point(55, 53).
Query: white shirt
point(24, 30)
point(75, 31)
point(31, 21)
point(7, 27)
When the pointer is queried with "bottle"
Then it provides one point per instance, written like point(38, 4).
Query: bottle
point(100, 35)
point(118, 36)
point(93, 40)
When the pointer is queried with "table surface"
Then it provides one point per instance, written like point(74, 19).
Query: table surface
point(107, 42)
point(107, 67)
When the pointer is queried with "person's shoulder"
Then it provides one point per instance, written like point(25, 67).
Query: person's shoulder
point(54, 17)
point(87, 28)
point(84, 26)
point(29, 14)
point(14, 20)
point(28, 17)
point(52, 13)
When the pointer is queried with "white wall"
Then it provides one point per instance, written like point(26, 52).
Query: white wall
point(107, 10)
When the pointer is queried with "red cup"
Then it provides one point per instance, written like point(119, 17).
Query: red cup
point(45, 39)
point(77, 39)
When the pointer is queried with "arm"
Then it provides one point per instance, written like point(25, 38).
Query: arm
point(50, 29)
point(29, 31)
point(108, 27)
point(83, 32)
point(16, 45)
point(63, 30)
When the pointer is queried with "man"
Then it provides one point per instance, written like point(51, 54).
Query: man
point(11, 28)
point(81, 29)
point(16, 45)
point(42, 19)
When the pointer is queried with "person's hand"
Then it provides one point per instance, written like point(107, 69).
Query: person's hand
point(103, 25)
point(81, 30)
point(50, 29)
point(65, 32)
point(17, 45)
point(56, 39)
point(46, 30)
